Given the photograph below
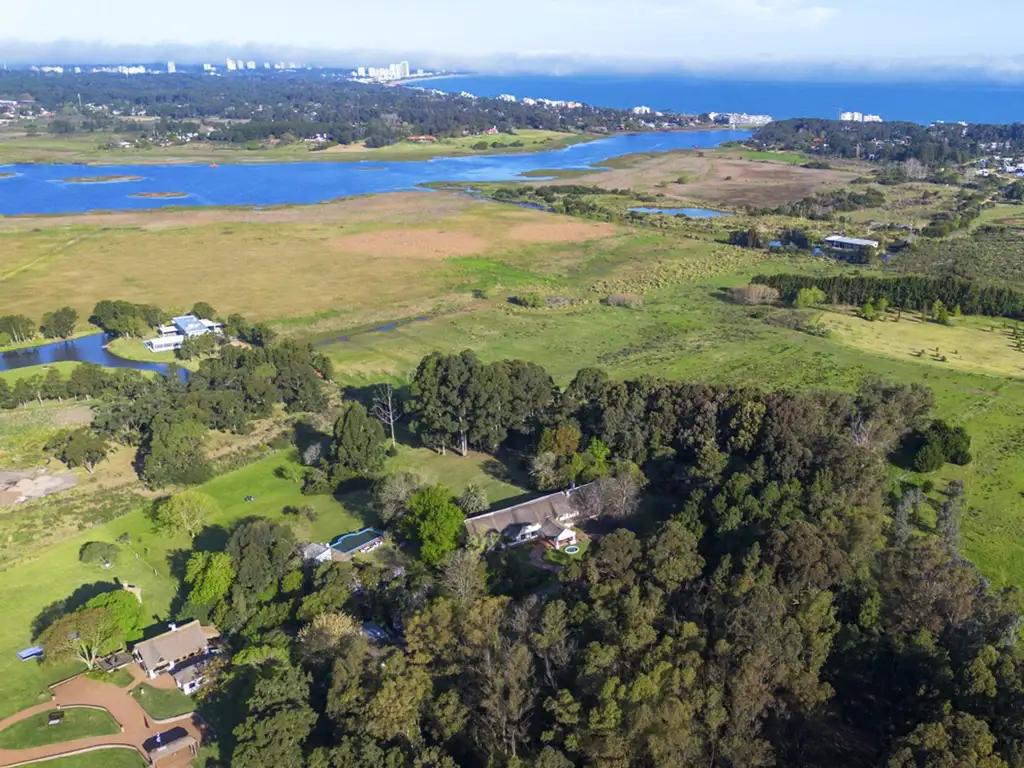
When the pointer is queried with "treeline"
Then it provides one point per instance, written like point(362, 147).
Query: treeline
point(59, 324)
point(784, 604)
point(823, 205)
point(301, 104)
point(909, 292)
point(890, 141)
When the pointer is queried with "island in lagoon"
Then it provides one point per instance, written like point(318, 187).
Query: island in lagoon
point(114, 179)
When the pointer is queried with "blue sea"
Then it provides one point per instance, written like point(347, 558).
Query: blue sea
point(919, 102)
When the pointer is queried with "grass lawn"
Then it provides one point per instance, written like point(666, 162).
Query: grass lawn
point(108, 758)
point(162, 703)
point(24, 431)
point(134, 349)
point(561, 557)
point(11, 377)
point(78, 723)
point(787, 158)
point(122, 678)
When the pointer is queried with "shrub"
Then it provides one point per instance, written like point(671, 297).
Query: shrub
point(529, 300)
point(98, 552)
point(627, 300)
point(940, 443)
point(754, 294)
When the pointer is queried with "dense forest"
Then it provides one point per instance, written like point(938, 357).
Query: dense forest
point(891, 142)
point(303, 104)
point(992, 253)
point(773, 598)
point(907, 292)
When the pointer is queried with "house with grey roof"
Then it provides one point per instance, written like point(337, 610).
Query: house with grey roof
point(167, 651)
point(548, 518)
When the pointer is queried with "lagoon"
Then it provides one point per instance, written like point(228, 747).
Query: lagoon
point(42, 189)
point(690, 213)
point(85, 349)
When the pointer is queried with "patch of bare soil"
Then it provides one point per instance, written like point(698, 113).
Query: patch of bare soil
point(416, 243)
point(18, 487)
point(73, 417)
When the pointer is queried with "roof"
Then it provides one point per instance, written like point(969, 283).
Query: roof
point(553, 530)
point(189, 324)
point(178, 643)
point(553, 507)
point(190, 672)
point(855, 241)
point(170, 743)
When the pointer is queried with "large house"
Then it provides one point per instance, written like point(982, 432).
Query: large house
point(549, 519)
point(849, 246)
point(175, 647)
point(171, 337)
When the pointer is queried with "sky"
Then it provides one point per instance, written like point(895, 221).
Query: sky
point(607, 34)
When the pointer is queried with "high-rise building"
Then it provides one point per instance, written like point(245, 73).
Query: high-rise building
point(171, 69)
point(231, 65)
point(403, 69)
point(207, 67)
point(266, 65)
point(239, 64)
point(250, 65)
point(361, 72)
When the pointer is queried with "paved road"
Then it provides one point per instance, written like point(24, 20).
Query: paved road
point(136, 725)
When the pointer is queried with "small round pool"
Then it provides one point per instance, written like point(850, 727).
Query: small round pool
point(572, 549)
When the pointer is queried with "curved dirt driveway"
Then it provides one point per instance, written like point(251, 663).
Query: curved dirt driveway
point(136, 725)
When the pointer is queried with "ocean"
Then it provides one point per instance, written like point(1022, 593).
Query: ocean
point(919, 102)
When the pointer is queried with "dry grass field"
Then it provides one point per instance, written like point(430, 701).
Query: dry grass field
point(715, 178)
point(354, 259)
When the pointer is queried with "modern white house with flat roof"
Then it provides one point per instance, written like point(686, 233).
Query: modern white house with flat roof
point(171, 337)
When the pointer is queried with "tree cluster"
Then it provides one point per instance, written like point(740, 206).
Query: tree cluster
point(909, 292)
point(59, 324)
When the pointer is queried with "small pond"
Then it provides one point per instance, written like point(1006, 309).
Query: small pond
point(690, 213)
point(86, 349)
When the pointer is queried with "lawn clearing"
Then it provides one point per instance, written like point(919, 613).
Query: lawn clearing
point(122, 678)
point(77, 723)
point(561, 557)
point(108, 758)
point(978, 344)
point(162, 703)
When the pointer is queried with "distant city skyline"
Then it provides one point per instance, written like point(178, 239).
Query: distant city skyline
point(875, 34)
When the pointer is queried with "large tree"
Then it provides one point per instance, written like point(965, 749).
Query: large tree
point(83, 635)
point(358, 447)
point(59, 324)
point(174, 454)
point(434, 521)
point(187, 511)
point(210, 575)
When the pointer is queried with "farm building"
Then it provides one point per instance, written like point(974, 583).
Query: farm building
point(171, 337)
point(348, 545)
point(549, 518)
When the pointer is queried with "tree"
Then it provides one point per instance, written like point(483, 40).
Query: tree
point(99, 552)
point(54, 387)
point(882, 306)
point(210, 574)
point(386, 409)
point(18, 327)
point(59, 324)
point(434, 522)
point(187, 511)
point(125, 611)
point(204, 310)
point(809, 297)
point(391, 495)
point(463, 575)
point(358, 447)
point(260, 552)
point(959, 739)
point(83, 636)
point(473, 500)
point(174, 454)
point(196, 346)
point(278, 722)
point(617, 496)
point(867, 311)
point(79, 448)
point(319, 640)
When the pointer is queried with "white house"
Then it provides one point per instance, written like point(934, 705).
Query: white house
point(171, 337)
point(549, 519)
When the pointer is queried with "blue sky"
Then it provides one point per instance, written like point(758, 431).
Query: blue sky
point(877, 33)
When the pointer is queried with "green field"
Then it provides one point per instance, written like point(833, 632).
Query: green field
point(78, 723)
point(108, 758)
point(162, 703)
point(90, 149)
